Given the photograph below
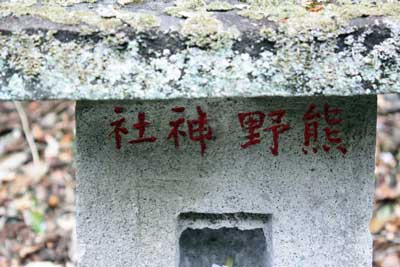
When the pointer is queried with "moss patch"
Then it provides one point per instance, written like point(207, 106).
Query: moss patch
point(68, 2)
point(111, 22)
point(325, 15)
point(206, 31)
point(127, 2)
point(219, 6)
point(183, 8)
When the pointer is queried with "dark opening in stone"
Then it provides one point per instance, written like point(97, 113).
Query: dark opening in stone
point(205, 247)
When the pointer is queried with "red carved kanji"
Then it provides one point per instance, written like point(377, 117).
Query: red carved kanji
point(141, 127)
point(311, 128)
point(175, 125)
point(277, 129)
point(118, 129)
point(199, 130)
point(251, 121)
point(332, 136)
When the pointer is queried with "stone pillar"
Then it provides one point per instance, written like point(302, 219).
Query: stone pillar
point(155, 205)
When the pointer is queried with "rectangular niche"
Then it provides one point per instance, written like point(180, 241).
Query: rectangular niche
point(206, 239)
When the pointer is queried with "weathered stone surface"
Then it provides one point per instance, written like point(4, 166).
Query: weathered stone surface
point(133, 203)
point(192, 48)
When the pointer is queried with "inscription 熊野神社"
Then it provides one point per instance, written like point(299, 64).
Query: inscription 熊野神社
point(254, 123)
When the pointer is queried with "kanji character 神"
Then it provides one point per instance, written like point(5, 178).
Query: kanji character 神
point(199, 130)
point(175, 132)
point(118, 129)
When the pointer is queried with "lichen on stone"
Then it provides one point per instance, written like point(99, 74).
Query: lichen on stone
point(200, 27)
point(183, 8)
point(219, 6)
point(322, 20)
point(6, 6)
point(139, 21)
point(350, 11)
point(142, 22)
point(100, 69)
point(290, 52)
point(58, 14)
point(127, 2)
point(296, 16)
point(67, 2)
point(22, 3)
point(95, 20)
point(269, 33)
point(204, 30)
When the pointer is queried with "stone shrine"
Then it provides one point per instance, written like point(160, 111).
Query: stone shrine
point(209, 133)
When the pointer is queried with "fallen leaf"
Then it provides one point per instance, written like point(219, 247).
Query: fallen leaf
point(13, 161)
point(38, 133)
point(23, 203)
point(9, 140)
point(36, 170)
point(53, 201)
point(52, 148)
point(26, 250)
point(391, 260)
point(375, 226)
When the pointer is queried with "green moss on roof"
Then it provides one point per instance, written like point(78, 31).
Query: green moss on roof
point(111, 21)
point(293, 17)
point(183, 8)
point(204, 30)
point(282, 49)
point(127, 2)
point(219, 6)
point(339, 10)
point(68, 2)
point(297, 18)
point(58, 14)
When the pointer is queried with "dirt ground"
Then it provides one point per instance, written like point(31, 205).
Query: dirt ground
point(37, 181)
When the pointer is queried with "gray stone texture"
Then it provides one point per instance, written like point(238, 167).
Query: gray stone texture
point(98, 50)
point(131, 203)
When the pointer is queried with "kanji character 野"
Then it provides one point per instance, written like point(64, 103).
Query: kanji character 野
point(251, 121)
point(277, 129)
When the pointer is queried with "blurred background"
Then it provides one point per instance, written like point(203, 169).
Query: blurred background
point(37, 182)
